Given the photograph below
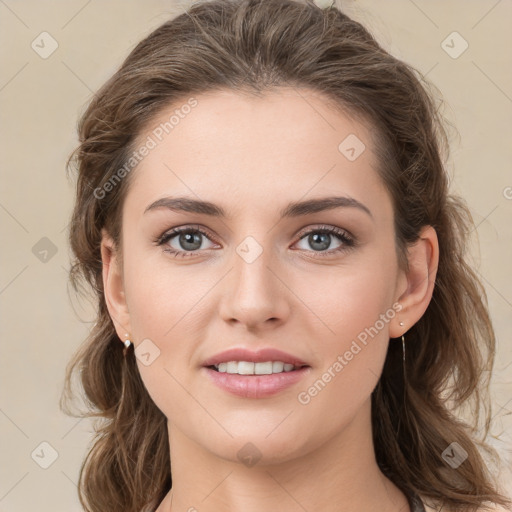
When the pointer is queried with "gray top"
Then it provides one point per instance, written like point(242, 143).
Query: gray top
point(415, 502)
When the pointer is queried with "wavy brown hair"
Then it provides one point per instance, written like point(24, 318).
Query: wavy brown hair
point(255, 46)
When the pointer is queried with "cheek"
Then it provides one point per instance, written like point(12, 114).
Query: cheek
point(353, 306)
point(160, 294)
point(161, 302)
point(351, 298)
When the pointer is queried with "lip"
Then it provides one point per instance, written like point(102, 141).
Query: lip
point(256, 386)
point(260, 356)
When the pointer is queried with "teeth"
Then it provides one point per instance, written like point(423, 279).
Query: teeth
point(278, 366)
point(248, 368)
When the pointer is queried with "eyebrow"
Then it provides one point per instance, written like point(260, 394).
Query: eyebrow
point(294, 209)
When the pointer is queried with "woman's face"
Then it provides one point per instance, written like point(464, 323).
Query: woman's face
point(257, 279)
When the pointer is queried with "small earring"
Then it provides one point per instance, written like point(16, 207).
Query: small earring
point(127, 342)
point(401, 324)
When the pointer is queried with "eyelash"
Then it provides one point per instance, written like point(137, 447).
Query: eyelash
point(349, 242)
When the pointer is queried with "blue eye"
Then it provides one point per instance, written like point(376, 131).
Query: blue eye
point(190, 239)
point(321, 238)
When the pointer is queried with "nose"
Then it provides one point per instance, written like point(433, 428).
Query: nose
point(255, 294)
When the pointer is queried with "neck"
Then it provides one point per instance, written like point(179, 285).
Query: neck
point(341, 475)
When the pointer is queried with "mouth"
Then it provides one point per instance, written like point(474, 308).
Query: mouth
point(265, 361)
point(246, 368)
point(240, 379)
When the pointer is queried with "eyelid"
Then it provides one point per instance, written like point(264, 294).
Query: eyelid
point(326, 227)
point(205, 231)
point(172, 232)
point(348, 240)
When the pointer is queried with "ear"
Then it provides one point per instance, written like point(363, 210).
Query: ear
point(418, 282)
point(113, 287)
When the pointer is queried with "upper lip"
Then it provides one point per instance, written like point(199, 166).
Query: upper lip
point(260, 356)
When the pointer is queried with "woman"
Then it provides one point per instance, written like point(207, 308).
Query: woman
point(283, 300)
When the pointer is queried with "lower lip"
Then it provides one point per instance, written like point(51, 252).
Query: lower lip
point(256, 386)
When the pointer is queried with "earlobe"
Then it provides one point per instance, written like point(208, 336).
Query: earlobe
point(113, 286)
point(423, 258)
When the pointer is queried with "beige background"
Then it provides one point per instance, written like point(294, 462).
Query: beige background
point(39, 102)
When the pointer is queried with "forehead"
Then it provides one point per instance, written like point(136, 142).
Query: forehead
point(235, 145)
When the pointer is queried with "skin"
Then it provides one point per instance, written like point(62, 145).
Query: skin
point(252, 156)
